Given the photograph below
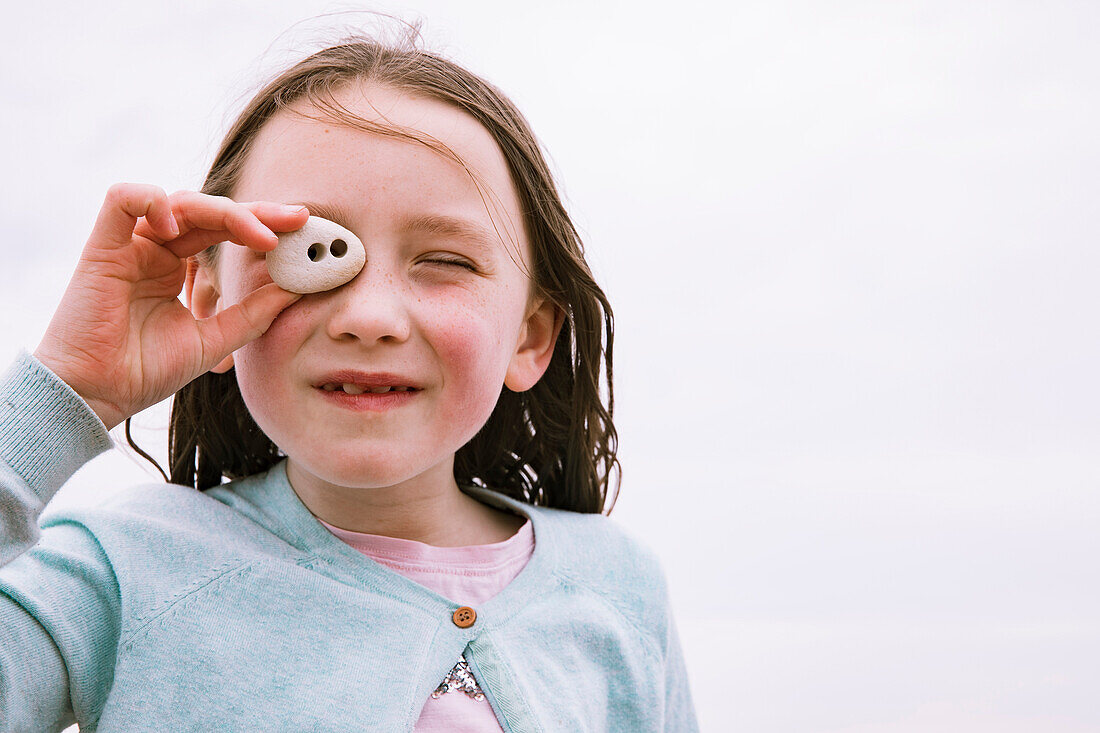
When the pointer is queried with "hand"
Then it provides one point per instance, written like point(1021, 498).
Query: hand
point(120, 336)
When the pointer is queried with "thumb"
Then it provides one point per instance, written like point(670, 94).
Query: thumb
point(232, 328)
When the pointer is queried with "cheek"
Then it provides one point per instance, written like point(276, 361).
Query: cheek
point(263, 374)
point(474, 351)
point(475, 348)
point(263, 362)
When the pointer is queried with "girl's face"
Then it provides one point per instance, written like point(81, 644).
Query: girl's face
point(441, 304)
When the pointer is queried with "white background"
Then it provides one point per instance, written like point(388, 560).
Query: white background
point(851, 248)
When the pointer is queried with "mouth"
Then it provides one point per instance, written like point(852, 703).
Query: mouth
point(351, 388)
point(357, 382)
point(377, 396)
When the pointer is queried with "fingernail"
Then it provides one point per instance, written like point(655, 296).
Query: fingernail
point(288, 209)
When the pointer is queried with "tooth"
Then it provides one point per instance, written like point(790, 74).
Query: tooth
point(352, 389)
point(379, 390)
point(400, 389)
point(329, 387)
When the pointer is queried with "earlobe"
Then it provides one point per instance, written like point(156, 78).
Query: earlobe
point(202, 295)
point(201, 290)
point(535, 347)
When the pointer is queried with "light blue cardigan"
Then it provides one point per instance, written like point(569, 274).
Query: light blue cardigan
point(166, 608)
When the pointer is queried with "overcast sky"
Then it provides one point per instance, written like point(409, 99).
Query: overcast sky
point(852, 252)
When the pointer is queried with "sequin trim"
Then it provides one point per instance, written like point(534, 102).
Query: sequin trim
point(459, 679)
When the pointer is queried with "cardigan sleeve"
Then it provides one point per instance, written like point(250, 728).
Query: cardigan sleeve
point(59, 600)
point(679, 707)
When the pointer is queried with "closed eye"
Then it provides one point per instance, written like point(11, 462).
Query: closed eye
point(466, 264)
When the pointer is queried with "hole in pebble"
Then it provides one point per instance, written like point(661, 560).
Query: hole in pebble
point(316, 251)
point(339, 247)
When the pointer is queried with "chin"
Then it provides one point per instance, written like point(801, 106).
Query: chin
point(365, 470)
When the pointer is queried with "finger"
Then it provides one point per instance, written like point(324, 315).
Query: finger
point(242, 322)
point(170, 229)
point(198, 211)
point(242, 219)
point(275, 217)
point(279, 217)
point(123, 205)
point(197, 240)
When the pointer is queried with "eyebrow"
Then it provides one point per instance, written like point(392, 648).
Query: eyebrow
point(331, 212)
point(441, 224)
point(451, 226)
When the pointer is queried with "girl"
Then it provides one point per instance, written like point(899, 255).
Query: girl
point(412, 532)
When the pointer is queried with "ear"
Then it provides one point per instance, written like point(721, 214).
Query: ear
point(201, 288)
point(535, 346)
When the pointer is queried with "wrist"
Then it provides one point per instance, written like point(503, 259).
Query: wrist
point(107, 413)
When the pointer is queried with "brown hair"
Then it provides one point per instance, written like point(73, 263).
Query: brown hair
point(553, 445)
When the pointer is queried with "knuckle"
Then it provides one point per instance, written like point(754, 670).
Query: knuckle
point(121, 194)
point(252, 330)
point(118, 191)
point(208, 202)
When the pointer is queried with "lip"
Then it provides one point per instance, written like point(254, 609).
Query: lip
point(367, 380)
point(368, 401)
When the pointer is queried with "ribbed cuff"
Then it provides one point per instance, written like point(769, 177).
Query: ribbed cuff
point(47, 431)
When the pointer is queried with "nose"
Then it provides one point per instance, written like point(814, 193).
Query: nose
point(373, 307)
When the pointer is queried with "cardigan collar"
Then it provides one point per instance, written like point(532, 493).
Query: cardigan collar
point(329, 554)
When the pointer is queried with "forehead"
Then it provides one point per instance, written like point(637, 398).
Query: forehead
point(324, 159)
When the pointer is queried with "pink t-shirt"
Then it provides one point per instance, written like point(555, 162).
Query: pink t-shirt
point(468, 576)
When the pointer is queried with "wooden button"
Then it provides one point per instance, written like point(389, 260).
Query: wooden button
point(464, 617)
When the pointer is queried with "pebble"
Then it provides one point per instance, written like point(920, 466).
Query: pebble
point(322, 255)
